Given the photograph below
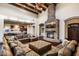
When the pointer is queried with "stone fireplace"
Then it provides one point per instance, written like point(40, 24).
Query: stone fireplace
point(52, 30)
point(52, 24)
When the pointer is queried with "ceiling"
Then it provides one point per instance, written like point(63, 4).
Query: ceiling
point(31, 7)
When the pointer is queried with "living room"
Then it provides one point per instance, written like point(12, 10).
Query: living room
point(38, 29)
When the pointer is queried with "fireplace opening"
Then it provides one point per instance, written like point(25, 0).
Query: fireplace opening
point(50, 34)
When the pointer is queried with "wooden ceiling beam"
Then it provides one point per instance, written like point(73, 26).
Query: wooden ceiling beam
point(24, 7)
point(46, 4)
point(31, 6)
point(27, 7)
point(42, 5)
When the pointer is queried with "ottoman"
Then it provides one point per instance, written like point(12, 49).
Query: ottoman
point(40, 46)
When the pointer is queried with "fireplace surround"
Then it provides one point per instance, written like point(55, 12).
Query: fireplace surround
point(52, 24)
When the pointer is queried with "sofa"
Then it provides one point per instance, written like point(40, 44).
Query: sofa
point(24, 38)
point(12, 47)
point(16, 48)
point(69, 49)
point(6, 49)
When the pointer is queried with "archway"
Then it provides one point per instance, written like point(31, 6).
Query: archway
point(72, 28)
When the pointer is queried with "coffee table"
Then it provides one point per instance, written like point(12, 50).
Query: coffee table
point(40, 46)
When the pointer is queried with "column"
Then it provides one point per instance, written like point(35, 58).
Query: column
point(62, 30)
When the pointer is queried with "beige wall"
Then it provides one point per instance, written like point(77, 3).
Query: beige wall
point(12, 11)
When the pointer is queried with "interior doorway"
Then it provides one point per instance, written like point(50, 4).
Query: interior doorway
point(73, 31)
point(72, 28)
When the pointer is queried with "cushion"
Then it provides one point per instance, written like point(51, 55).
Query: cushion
point(72, 45)
point(10, 38)
point(59, 46)
point(26, 49)
point(4, 52)
point(7, 53)
point(12, 45)
point(18, 51)
point(77, 51)
point(19, 36)
point(74, 42)
point(65, 43)
point(25, 36)
point(10, 42)
point(18, 43)
point(64, 52)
